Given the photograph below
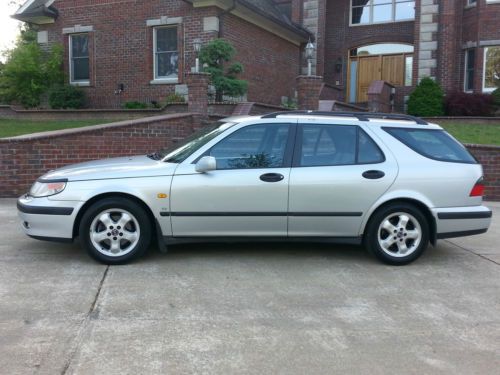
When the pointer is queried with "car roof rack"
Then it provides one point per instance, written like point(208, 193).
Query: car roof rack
point(361, 116)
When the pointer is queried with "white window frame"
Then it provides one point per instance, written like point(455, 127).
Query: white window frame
point(487, 89)
point(371, 6)
point(70, 55)
point(163, 80)
point(466, 68)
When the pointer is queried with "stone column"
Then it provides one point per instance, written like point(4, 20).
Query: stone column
point(197, 84)
point(308, 91)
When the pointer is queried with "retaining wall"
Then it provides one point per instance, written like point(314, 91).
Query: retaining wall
point(25, 158)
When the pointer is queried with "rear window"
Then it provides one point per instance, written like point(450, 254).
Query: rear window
point(433, 143)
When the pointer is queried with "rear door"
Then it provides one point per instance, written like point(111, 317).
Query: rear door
point(338, 173)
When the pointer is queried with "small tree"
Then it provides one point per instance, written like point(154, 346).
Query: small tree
point(215, 54)
point(29, 71)
point(427, 99)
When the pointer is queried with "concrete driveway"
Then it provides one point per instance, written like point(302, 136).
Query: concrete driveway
point(248, 309)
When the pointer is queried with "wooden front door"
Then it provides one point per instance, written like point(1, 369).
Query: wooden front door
point(390, 68)
point(369, 71)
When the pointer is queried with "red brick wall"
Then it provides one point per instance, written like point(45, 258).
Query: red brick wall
point(339, 38)
point(489, 157)
point(24, 159)
point(121, 49)
point(460, 25)
point(271, 63)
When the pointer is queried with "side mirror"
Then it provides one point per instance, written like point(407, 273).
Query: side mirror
point(206, 164)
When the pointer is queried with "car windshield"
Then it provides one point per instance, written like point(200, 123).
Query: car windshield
point(180, 151)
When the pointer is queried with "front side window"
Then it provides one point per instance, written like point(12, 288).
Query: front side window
point(470, 58)
point(433, 144)
point(330, 145)
point(79, 58)
point(255, 146)
point(491, 79)
point(381, 11)
point(166, 54)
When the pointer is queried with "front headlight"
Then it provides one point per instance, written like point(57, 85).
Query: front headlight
point(47, 188)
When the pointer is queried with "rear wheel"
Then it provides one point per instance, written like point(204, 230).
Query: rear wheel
point(115, 230)
point(397, 234)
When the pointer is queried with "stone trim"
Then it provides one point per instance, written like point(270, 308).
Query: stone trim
point(164, 20)
point(427, 38)
point(77, 29)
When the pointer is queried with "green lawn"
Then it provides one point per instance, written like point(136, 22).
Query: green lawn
point(475, 133)
point(11, 128)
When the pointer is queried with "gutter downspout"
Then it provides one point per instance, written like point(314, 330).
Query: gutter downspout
point(221, 19)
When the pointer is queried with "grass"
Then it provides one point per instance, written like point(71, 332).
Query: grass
point(486, 134)
point(11, 128)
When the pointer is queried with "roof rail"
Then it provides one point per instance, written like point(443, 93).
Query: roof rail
point(361, 116)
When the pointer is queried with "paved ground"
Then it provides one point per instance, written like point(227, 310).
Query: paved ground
point(259, 309)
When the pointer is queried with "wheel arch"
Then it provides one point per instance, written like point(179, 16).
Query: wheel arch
point(76, 224)
point(431, 220)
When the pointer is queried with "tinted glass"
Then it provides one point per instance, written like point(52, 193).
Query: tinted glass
point(328, 145)
point(368, 151)
point(166, 39)
point(434, 144)
point(256, 146)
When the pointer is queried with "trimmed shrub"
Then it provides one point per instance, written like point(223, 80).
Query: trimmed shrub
point(135, 105)
point(67, 97)
point(465, 104)
point(427, 99)
point(496, 97)
point(174, 98)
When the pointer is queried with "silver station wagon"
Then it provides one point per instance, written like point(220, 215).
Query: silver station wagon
point(394, 183)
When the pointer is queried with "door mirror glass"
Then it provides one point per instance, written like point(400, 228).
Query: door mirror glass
point(206, 164)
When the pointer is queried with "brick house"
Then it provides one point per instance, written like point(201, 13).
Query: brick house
point(144, 47)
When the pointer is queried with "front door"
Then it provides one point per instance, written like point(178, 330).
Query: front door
point(247, 195)
point(369, 71)
point(338, 173)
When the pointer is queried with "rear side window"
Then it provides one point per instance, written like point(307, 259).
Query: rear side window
point(433, 144)
point(328, 145)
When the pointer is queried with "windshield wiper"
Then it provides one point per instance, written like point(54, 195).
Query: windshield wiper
point(155, 156)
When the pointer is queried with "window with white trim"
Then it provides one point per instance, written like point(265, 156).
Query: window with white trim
point(166, 54)
point(381, 11)
point(491, 71)
point(79, 58)
point(470, 59)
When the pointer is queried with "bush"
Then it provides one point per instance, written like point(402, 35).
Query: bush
point(214, 56)
point(464, 104)
point(496, 97)
point(174, 98)
point(29, 71)
point(427, 99)
point(135, 105)
point(67, 96)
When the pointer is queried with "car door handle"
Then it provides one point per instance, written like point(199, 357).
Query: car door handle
point(373, 175)
point(272, 177)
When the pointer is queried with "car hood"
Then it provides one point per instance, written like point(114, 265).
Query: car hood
point(124, 167)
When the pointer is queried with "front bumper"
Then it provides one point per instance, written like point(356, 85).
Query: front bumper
point(46, 219)
point(461, 221)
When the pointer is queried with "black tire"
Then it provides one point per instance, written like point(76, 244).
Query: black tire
point(130, 242)
point(394, 254)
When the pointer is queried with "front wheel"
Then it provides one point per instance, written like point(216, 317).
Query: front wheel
point(397, 234)
point(115, 230)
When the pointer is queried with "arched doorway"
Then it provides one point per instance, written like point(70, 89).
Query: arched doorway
point(391, 62)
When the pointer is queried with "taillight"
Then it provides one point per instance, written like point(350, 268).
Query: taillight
point(478, 189)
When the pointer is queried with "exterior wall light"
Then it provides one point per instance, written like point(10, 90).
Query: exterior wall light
point(309, 56)
point(197, 47)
